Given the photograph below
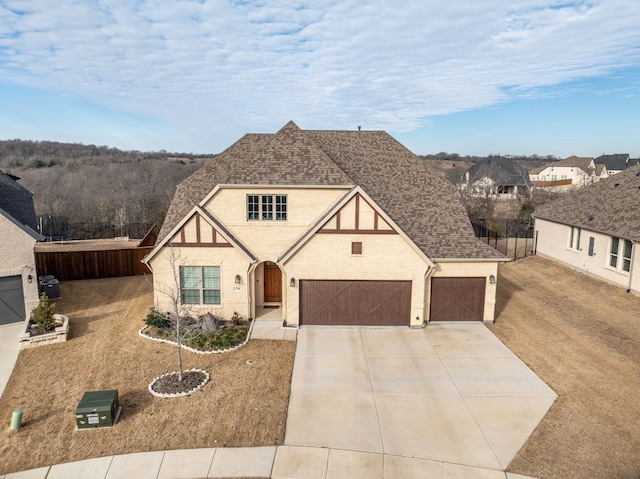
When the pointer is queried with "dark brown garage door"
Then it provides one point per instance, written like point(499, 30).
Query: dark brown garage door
point(362, 303)
point(457, 299)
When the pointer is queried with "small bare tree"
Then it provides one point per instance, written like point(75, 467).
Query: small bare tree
point(179, 315)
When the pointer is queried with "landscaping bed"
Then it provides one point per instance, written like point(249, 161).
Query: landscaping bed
point(243, 404)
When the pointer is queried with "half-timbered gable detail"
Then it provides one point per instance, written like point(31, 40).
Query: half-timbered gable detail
point(197, 231)
point(357, 216)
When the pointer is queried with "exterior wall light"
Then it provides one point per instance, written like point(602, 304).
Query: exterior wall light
point(30, 278)
point(292, 283)
point(238, 279)
point(492, 279)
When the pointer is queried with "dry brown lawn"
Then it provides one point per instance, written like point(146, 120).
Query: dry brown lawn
point(582, 336)
point(244, 404)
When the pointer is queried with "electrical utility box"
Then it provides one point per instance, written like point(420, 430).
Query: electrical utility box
point(98, 409)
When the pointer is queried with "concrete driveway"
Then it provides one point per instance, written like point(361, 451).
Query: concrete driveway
point(379, 398)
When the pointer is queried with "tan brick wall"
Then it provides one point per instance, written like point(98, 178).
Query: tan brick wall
point(234, 297)
point(269, 239)
point(16, 252)
point(325, 256)
point(384, 257)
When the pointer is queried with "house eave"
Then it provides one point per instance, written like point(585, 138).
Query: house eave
point(589, 228)
point(26, 228)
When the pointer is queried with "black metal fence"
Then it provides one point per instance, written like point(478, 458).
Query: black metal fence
point(512, 238)
point(55, 228)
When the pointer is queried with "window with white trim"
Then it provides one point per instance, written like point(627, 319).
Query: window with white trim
point(261, 207)
point(200, 284)
point(574, 238)
point(620, 254)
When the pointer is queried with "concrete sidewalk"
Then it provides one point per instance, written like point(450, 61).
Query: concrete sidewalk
point(259, 462)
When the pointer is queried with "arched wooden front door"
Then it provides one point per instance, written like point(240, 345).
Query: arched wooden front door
point(272, 283)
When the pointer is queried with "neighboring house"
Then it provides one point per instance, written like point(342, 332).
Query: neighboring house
point(18, 280)
point(596, 229)
point(498, 177)
point(572, 172)
point(331, 227)
point(616, 163)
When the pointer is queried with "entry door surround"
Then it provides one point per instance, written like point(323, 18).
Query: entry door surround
point(272, 283)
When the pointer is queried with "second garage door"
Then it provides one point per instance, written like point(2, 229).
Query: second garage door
point(364, 303)
point(457, 299)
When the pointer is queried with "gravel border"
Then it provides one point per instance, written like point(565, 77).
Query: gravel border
point(186, 393)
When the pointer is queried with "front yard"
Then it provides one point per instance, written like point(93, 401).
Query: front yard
point(581, 336)
point(244, 404)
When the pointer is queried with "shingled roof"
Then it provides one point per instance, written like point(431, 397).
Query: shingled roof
point(616, 162)
point(610, 206)
point(582, 162)
point(503, 171)
point(17, 202)
point(426, 207)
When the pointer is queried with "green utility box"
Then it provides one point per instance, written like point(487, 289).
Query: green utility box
point(98, 409)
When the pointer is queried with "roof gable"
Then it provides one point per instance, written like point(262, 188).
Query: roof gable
point(610, 206)
point(424, 206)
point(287, 157)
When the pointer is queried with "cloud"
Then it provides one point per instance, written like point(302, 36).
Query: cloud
point(236, 66)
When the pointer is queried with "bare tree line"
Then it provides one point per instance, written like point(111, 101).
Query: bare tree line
point(85, 183)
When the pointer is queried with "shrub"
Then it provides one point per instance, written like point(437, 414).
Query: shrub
point(42, 314)
point(156, 318)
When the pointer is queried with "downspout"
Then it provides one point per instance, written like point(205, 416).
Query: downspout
point(427, 275)
point(631, 263)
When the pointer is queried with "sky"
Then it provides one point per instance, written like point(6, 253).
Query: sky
point(479, 77)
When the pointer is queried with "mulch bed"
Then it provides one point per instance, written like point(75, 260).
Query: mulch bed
point(171, 383)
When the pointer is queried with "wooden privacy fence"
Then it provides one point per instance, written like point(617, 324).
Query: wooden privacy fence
point(73, 265)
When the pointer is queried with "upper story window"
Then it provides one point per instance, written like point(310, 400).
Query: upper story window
point(266, 207)
point(620, 254)
point(574, 238)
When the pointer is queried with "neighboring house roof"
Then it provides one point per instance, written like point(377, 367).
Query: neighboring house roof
point(16, 203)
point(582, 162)
point(616, 162)
point(502, 171)
point(426, 207)
point(610, 206)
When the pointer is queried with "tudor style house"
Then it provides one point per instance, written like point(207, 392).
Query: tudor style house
point(596, 229)
point(18, 279)
point(331, 228)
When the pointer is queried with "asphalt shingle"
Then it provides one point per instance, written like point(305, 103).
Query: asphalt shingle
point(610, 206)
point(17, 201)
point(425, 206)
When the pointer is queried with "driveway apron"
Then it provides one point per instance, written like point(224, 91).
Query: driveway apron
point(451, 392)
